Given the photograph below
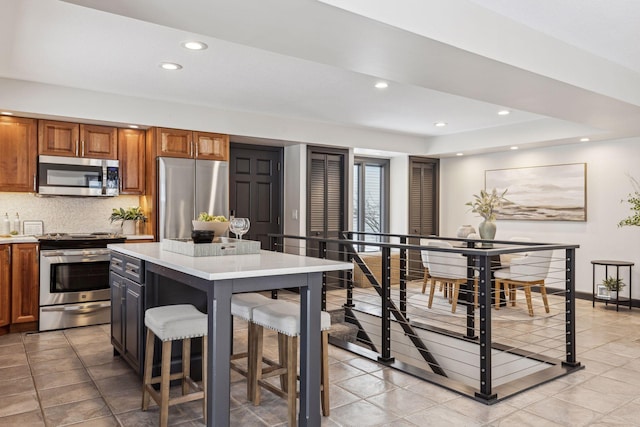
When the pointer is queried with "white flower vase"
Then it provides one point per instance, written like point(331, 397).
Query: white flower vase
point(613, 295)
point(129, 227)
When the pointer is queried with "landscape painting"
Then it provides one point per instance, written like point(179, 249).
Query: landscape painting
point(542, 193)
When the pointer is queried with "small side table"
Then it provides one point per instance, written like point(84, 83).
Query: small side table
point(617, 265)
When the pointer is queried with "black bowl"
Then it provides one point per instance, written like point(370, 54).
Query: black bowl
point(202, 236)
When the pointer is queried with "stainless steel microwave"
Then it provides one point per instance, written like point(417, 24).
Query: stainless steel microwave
point(77, 176)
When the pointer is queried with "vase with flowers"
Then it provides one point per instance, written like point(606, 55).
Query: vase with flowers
point(485, 204)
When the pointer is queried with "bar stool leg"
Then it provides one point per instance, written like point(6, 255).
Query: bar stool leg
point(256, 368)
point(148, 367)
point(283, 360)
point(292, 379)
point(164, 383)
point(186, 364)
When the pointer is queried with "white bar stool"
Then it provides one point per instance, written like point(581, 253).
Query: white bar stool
point(284, 317)
point(242, 306)
point(169, 323)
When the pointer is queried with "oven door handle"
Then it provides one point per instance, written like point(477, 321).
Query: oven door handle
point(78, 309)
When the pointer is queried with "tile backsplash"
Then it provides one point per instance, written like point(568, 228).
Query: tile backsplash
point(66, 214)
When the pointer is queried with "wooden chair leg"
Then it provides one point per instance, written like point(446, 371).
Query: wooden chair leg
point(292, 378)
point(148, 367)
point(164, 383)
point(454, 296)
point(205, 343)
point(512, 294)
point(252, 364)
point(424, 280)
point(527, 294)
point(432, 290)
point(186, 364)
point(324, 379)
point(543, 291)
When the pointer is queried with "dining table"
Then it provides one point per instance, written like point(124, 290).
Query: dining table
point(218, 278)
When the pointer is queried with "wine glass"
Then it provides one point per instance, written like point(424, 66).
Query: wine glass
point(239, 226)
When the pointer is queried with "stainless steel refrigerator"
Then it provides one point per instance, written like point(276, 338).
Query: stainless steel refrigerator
point(187, 187)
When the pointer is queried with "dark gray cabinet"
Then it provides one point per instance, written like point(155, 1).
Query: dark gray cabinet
point(127, 308)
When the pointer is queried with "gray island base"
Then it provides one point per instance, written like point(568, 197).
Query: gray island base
point(220, 277)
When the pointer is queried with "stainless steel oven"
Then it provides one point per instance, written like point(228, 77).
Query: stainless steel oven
point(74, 282)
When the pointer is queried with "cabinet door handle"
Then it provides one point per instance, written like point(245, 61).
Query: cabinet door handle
point(34, 182)
point(77, 147)
point(83, 148)
point(196, 144)
point(191, 149)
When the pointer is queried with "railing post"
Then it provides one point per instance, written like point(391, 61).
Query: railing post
point(470, 294)
point(403, 278)
point(386, 303)
point(349, 302)
point(484, 300)
point(570, 305)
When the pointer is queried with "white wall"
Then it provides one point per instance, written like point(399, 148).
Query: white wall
point(608, 164)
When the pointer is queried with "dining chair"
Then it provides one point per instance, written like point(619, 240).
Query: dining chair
point(524, 271)
point(449, 269)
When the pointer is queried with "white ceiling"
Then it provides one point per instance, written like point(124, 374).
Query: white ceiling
point(566, 69)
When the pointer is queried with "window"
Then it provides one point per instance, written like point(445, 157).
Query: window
point(370, 199)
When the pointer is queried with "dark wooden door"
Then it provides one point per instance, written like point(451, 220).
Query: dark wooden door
point(326, 197)
point(255, 189)
point(423, 207)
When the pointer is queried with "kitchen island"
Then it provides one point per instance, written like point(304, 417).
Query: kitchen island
point(218, 277)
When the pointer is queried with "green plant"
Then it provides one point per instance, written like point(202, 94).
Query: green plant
point(486, 203)
point(613, 284)
point(211, 218)
point(634, 200)
point(133, 213)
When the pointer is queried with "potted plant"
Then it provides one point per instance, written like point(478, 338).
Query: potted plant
point(485, 205)
point(634, 201)
point(613, 285)
point(129, 217)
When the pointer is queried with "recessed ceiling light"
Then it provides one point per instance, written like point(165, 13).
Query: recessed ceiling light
point(584, 139)
point(134, 126)
point(170, 66)
point(459, 154)
point(194, 45)
point(440, 124)
point(504, 112)
point(6, 113)
point(381, 85)
point(514, 147)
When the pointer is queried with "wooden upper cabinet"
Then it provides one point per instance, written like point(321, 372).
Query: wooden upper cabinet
point(131, 154)
point(24, 283)
point(211, 146)
point(58, 138)
point(192, 145)
point(19, 155)
point(77, 140)
point(174, 143)
point(98, 142)
point(5, 285)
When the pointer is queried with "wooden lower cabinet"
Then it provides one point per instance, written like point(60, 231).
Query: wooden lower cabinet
point(5, 285)
point(25, 279)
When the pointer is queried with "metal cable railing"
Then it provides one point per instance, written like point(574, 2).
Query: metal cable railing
point(448, 322)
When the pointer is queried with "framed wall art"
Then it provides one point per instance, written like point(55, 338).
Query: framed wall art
point(542, 193)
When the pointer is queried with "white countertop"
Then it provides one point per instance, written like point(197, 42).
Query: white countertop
point(266, 263)
point(20, 238)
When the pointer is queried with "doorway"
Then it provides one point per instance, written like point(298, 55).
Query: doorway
point(423, 207)
point(255, 189)
point(326, 197)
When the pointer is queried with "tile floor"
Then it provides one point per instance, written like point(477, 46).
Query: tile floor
point(71, 378)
